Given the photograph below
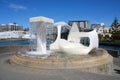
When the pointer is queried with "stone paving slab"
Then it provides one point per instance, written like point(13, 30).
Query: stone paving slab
point(116, 61)
point(13, 72)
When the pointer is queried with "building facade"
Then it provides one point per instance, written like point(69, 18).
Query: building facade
point(101, 28)
point(10, 27)
point(82, 24)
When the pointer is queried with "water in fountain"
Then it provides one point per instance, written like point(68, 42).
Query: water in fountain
point(38, 27)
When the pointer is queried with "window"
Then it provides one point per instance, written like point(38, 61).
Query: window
point(85, 41)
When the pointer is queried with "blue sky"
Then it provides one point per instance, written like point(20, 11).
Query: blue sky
point(96, 11)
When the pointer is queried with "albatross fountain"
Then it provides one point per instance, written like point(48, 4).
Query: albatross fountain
point(63, 54)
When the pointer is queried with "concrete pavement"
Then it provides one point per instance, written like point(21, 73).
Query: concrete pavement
point(15, 72)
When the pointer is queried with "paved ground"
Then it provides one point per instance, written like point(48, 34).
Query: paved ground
point(13, 72)
point(116, 61)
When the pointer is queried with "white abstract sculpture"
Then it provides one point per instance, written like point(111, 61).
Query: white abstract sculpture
point(73, 45)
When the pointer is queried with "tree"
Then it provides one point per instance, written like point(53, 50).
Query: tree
point(115, 30)
point(115, 25)
point(116, 35)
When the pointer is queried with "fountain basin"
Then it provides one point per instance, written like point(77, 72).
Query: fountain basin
point(101, 62)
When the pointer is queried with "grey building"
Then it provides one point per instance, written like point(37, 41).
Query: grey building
point(51, 32)
point(82, 24)
point(95, 26)
point(10, 27)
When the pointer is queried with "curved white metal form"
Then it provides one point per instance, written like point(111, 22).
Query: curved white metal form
point(73, 45)
point(76, 36)
point(71, 36)
point(73, 48)
point(55, 45)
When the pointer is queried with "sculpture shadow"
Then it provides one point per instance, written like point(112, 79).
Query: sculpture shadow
point(117, 71)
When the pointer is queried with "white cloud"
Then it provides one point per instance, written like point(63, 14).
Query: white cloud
point(17, 7)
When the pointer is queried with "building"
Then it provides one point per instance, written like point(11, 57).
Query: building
point(11, 30)
point(103, 31)
point(14, 34)
point(101, 28)
point(10, 27)
point(82, 24)
point(98, 27)
point(95, 26)
point(52, 30)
